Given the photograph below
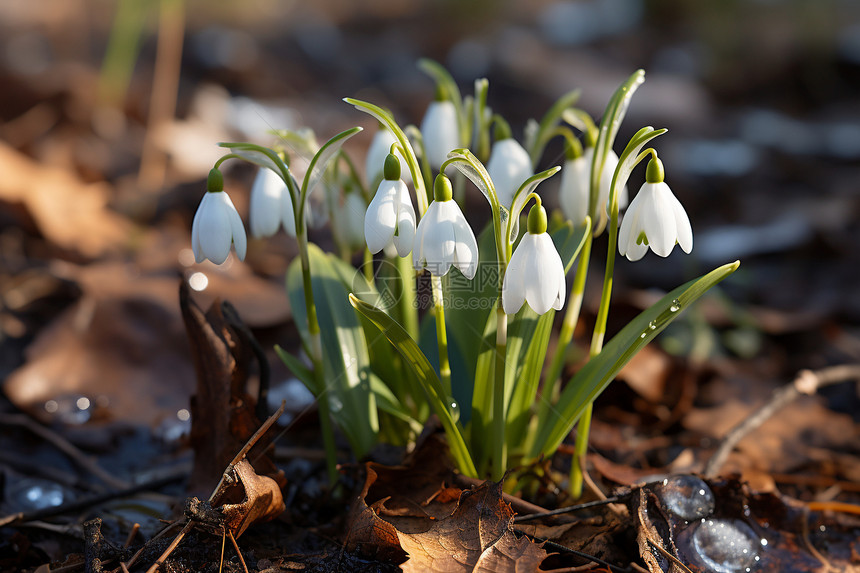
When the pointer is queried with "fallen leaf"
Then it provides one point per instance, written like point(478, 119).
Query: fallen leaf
point(476, 537)
point(68, 212)
point(260, 499)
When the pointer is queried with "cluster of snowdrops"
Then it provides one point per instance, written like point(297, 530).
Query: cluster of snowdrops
point(379, 364)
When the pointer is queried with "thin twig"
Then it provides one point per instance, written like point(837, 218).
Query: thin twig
point(806, 382)
point(173, 544)
point(134, 529)
point(519, 505)
point(568, 509)
point(158, 535)
point(808, 542)
point(239, 553)
point(87, 502)
point(669, 556)
point(248, 445)
point(65, 446)
point(558, 547)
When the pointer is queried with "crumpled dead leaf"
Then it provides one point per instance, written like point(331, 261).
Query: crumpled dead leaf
point(476, 537)
point(260, 499)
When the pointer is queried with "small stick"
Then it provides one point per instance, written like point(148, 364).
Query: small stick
point(158, 535)
point(670, 557)
point(239, 553)
point(64, 446)
point(559, 547)
point(518, 504)
point(806, 382)
point(135, 528)
point(248, 445)
point(173, 544)
point(568, 509)
point(837, 506)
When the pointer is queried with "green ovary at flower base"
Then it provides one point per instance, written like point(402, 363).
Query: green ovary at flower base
point(390, 218)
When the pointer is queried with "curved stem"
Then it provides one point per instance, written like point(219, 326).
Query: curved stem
point(441, 333)
point(408, 305)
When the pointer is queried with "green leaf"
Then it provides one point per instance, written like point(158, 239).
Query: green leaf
point(548, 123)
point(408, 348)
point(320, 161)
point(298, 369)
point(596, 375)
point(345, 353)
point(388, 402)
point(522, 195)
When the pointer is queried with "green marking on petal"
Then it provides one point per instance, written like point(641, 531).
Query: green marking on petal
point(642, 239)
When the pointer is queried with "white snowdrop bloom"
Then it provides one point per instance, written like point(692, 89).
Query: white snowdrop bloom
point(508, 167)
point(576, 182)
point(444, 237)
point(379, 148)
point(348, 219)
point(440, 132)
point(270, 205)
point(535, 273)
point(216, 224)
point(390, 217)
point(655, 219)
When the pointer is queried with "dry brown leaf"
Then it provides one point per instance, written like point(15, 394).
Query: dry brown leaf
point(121, 344)
point(260, 499)
point(476, 537)
point(70, 213)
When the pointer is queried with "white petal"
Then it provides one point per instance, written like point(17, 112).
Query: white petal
point(214, 230)
point(465, 247)
point(440, 131)
point(513, 287)
point(434, 240)
point(630, 225)
point(237, 229)
point(405, 237)
point(636, 251)
point(682, 226)
point(562, 289)
point(380, 220)
point(573, 189)
point(658, 218)
point(265, 203)
point(195, 234)
point(508, 167)
point(541, 269)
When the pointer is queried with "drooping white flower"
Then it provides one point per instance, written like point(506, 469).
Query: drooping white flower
point(270, 205)
point(440, 131)
point(508, 167)
point(576, 183)
point(348, 219)
point(378, 151)
point(216, 224)
point(444, 237)
point(535, 273)
point(390, 217)
point(655, 219)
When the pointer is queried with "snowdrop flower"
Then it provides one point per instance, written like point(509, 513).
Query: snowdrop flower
point(216, 224)
point(509, 165)
point(390, 218)
point(348, 214)
point(444, 237)
point(655, 219)
point(440, 130)
point(270, 205)
point(535, 273)
point(379, 148)
point(576, 182)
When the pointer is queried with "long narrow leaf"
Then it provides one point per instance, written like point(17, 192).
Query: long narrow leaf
point(596, 375)
point(320, 161)
point(410, 351)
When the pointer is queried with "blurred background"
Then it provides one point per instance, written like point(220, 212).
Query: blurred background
point(110, 112)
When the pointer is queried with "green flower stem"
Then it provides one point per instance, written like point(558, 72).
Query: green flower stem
point(580, 448)
point(552, 384)
point(441, 334)
point(367, 265)
point(316, 356)
point(500, 446)
point(408, 304)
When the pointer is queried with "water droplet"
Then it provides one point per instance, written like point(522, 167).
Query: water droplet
point(454, 407)
point(687, 496)
point(676, 306)
point(643, 335)
point(725, 545)
point(652, 325)
point(70, 409)
point(335, 404)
